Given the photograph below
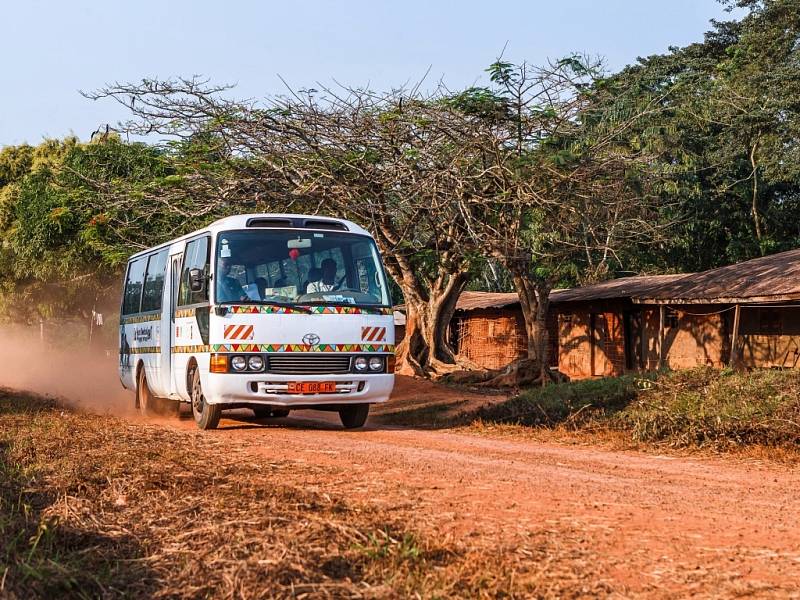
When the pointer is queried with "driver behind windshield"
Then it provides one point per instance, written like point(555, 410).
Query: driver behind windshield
point(228, 288)
point(328, 281)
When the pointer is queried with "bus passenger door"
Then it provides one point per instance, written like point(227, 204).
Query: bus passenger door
point(167, 362)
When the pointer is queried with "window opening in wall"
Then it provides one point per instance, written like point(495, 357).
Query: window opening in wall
point(769, 321)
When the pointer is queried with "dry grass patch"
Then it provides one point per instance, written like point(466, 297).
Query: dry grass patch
point(93, 506)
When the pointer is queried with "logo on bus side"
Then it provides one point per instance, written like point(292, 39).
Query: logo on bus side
point(311, 339)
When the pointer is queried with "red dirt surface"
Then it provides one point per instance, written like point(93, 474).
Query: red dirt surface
point(656, 526)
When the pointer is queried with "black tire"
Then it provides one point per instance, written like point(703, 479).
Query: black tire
point(150, 405)
point(267, 412)
point(205, 415)
point(262, 412)
point(354, 416)
point(145, 401)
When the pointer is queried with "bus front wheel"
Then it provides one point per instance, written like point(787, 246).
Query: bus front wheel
point(205, 415)
point(354, 416)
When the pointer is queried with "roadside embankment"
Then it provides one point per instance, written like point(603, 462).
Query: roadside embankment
point(704, 407)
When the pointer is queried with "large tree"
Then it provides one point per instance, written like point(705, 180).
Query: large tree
point(728, 130)
point(555, 188)
point(384, 160)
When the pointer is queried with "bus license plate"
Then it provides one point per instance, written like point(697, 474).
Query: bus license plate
point(312, 387)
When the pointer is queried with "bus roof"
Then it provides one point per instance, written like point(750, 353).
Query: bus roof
point(241, 222)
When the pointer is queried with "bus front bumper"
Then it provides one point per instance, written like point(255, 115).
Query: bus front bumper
point(265, 388)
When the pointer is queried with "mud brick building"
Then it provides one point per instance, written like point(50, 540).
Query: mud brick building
point(747, 315)
point(488, 329)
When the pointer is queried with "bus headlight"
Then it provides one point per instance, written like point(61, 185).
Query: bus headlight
point(255, 363)
point(360, 363)
point(238, 363)
point(376, 363)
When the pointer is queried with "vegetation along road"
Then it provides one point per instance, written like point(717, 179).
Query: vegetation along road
point(274, 505)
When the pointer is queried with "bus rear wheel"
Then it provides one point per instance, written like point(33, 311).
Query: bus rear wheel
point(267, 412)
point(148, 404)
point(354, 416)
point(205, 415)
point(145, 401)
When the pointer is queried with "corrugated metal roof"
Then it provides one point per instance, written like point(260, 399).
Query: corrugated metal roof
point(478, 300)
point(623, 287)
point(774, 278)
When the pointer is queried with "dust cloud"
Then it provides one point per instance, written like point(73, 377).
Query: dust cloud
point(85, 379)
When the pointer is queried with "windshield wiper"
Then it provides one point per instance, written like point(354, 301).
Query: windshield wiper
point(340, 303)
point(268, 303)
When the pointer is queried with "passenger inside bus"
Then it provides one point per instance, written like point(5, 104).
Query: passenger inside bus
point(228, 288)
point(314, 275)
point(327, 282)
point(261, 284)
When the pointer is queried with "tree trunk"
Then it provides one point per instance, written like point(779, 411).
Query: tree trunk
point(534, 299)
point(426, 349)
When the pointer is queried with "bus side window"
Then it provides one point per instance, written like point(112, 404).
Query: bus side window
point(365, 269)
point(133, 287)
point(194, 257)
point(154, 281)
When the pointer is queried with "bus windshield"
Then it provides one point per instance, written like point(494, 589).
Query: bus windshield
point(291, 267)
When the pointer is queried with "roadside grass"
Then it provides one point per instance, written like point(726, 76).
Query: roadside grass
point(93, 506)
point(697, 408)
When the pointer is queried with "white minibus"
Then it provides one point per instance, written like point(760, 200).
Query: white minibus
point(271, 312)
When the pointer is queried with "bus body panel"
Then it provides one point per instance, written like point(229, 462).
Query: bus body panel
point(282, 329)
point(165, 343)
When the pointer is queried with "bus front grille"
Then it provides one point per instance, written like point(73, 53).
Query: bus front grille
point(308, 364)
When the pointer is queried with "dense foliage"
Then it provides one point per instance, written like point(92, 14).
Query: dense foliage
point(710, 131)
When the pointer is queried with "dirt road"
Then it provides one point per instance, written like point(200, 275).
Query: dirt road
point(646, 524)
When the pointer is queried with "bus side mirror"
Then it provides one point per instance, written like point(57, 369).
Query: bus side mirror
point(196, 280)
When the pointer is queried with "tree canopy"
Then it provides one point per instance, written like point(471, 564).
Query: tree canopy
point(549, 175)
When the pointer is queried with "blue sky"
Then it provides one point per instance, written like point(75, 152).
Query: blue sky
point(53, 49)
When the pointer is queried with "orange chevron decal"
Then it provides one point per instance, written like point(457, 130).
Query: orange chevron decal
point(373, 334)
point(238, 332)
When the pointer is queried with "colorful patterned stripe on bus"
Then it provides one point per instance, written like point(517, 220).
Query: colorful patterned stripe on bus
point(285, 348)
point(197, 349)
point(140, 319)
point(302, 348)
point(146, 350)
point(317, 310)
point(184, 312)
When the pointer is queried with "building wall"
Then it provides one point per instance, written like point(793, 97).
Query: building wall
point(591, 343)
point(770, 337)
point(608, 338)
point(694, 335)
point(491, 338)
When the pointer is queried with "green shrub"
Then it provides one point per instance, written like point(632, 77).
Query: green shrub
point(709, 407)
point(566, 403)
point(697, 407)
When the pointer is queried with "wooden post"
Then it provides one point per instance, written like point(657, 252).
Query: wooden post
point(662, 315)
point(644, 359)
point(735, 336)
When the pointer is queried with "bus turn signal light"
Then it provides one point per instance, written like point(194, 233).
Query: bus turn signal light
point(219, 363)
point(390, 363)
